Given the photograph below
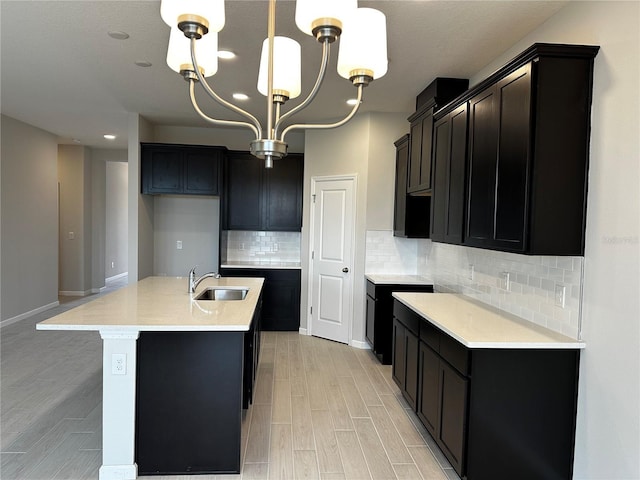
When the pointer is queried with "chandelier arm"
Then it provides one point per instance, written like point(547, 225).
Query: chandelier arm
point(255, 124)
point(227, 123)
point(313, 126)
point(326, 47)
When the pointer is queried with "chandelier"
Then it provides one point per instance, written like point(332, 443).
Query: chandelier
point(362, 57)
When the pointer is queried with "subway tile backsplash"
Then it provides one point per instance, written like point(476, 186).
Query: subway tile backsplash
point(238, 246)
point(479, 273)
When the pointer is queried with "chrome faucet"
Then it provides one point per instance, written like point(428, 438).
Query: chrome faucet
point(193, 283)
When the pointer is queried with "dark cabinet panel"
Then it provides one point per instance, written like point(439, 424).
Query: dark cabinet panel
point(420, 153)
point(453, 415)
point(410, 390)
point(450, 162)
point(260, 199)
point(280, 296)
point(411, 213)
point(429, 389)
point(283, 202)
point(180, 169)
point(370, 319)
point(398, 370)
point(243, 192)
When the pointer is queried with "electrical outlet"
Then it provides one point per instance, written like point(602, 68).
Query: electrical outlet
point(118, 364)
point(113, 264)
point(179, 244)
point(241, 247)
point(472, 271)
point(561, 292)
point(275, 247)
point(505, 282)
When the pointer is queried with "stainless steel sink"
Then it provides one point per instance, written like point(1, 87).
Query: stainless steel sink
point(222, 293)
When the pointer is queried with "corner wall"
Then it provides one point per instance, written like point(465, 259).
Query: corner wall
point(29, 220)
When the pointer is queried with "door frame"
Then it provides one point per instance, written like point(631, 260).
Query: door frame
point(312, 213)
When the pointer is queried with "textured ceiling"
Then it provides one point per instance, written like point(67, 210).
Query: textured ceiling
point(61, 72)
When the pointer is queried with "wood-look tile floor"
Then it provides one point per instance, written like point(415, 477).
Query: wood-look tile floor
point(322, 410)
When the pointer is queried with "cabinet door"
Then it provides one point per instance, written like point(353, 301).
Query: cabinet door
point(514, 94)
point(281, 300)
point(283, 194)
point(398, 371)
point(202, 167)
point(429, 388)
point(441, 147)
point(370, 322)
point(483, 151)
point(420, 154)
point(411, 369)
point(453, 415)
point(243, 196)
point(457, 170)
point(162, 170)
point(402, 163)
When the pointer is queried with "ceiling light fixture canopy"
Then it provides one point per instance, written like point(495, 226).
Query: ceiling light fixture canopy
point(361, 59)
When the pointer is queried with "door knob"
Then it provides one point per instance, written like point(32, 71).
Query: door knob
point(345, 269)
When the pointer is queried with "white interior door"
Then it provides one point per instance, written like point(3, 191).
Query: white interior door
point(332, 237)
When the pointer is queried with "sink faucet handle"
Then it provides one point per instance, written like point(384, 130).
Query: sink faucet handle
point(192, 279)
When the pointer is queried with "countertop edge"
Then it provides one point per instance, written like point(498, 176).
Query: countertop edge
point(150, 328)
point(574, 345)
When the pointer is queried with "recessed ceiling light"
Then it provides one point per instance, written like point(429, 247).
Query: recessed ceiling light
point(240, 96)
point(352, 101)
point(226, 54)
point(108, 136)
point(118, 35)
point(143, 63)
point(76, 140)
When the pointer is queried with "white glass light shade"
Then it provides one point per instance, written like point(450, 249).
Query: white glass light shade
point(363, 44)
point(179, 52)
point(286, 66)
point(210, 10)
point(307, 11)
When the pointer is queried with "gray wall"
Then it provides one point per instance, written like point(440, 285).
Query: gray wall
point(116, 246)
point(194, 221)
point(29, 220)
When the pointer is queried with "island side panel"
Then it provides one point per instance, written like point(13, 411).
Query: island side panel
point(189, 402)
point(118, 404)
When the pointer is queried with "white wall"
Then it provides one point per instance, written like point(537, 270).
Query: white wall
point(29, 220)
point(233, 139)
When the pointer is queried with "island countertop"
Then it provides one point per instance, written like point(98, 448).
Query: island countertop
point(476, 325)
point(163, 304)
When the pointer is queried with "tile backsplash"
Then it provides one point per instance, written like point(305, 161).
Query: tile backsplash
point(534, 281)
point(238, 246)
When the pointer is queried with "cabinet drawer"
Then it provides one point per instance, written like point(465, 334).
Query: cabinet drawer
point(430, 335)
point(407, 317)
point(454, 353)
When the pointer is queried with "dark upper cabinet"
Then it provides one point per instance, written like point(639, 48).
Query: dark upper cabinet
point(263, 199)
point(180, 169)
point(411, 213)
point(527, 159)
point(449, 171)
point(420, 153)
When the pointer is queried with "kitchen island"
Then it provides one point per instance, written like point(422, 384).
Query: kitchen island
point(137, 323)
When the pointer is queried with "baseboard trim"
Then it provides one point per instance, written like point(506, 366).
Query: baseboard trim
point(116, 277)
point(360, 345)
point(22, 316)
point(74, 293)
point(302, 331)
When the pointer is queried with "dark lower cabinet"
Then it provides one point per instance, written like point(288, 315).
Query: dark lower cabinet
point(251, 356)
point(280, 296)
point(189, 402)
point(496, 413)
point(379, 315)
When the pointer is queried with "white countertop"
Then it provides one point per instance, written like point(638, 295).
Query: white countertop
point(262, 264)
point(398, 279)
point(162, 304)
point(476, 325)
